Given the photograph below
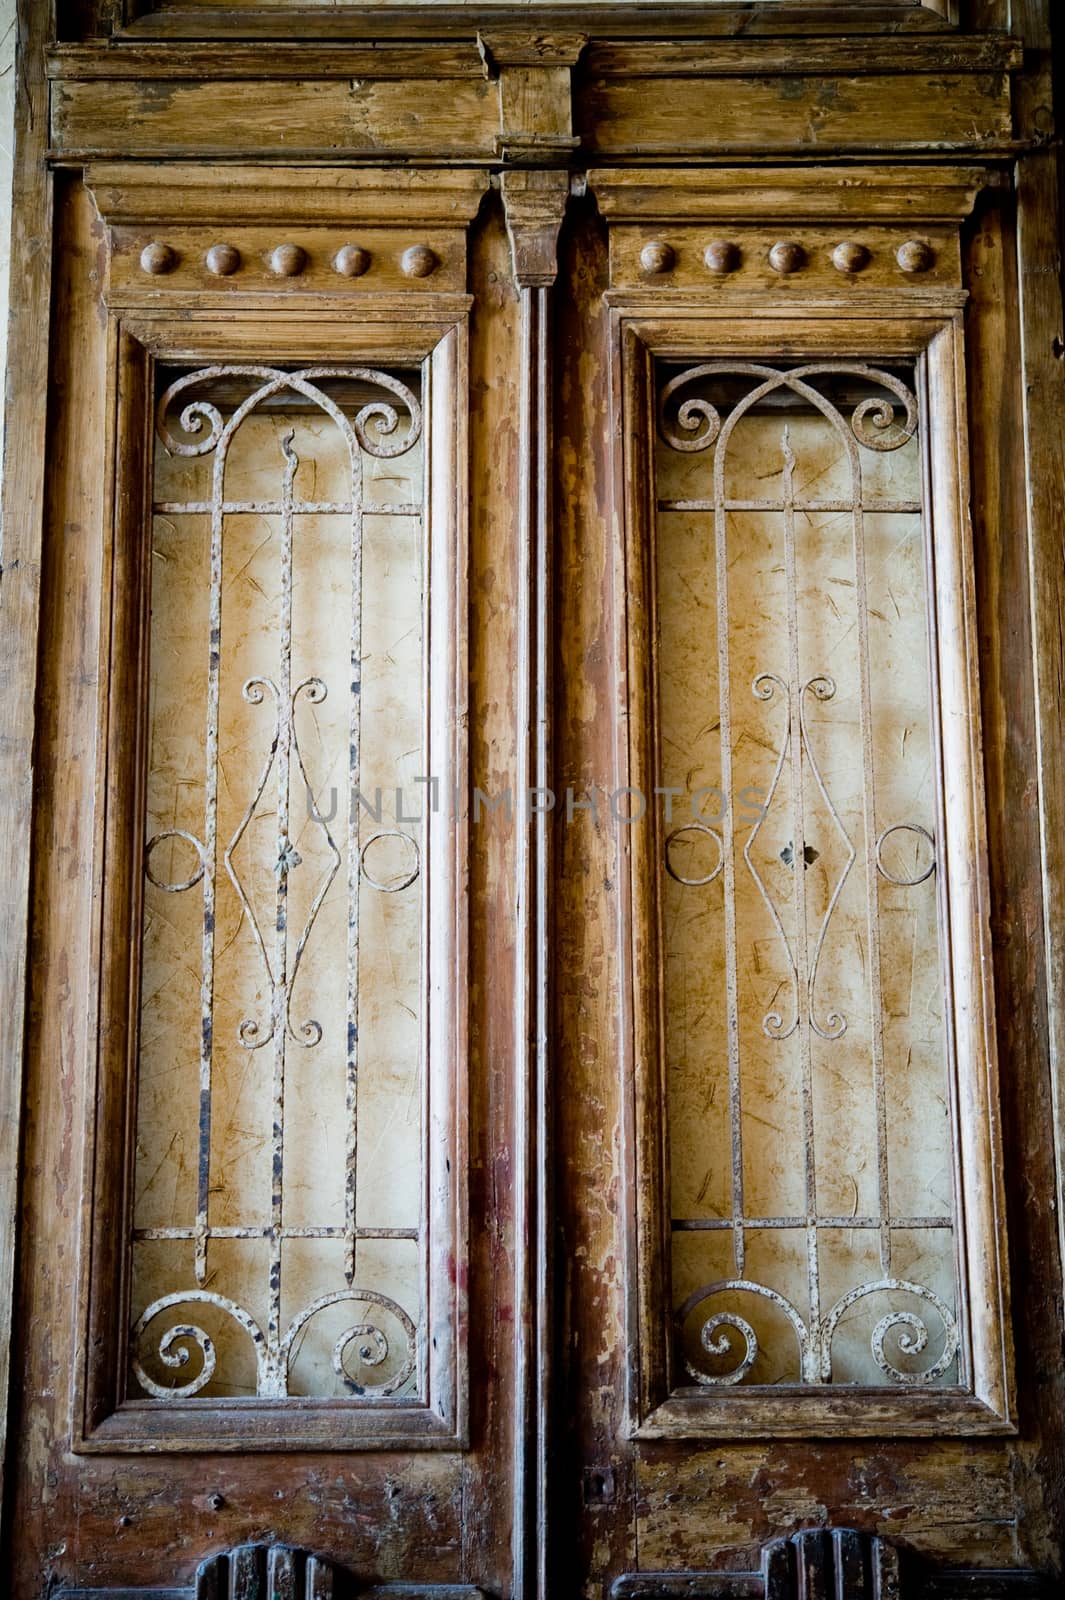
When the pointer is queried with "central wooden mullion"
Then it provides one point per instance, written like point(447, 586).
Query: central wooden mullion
point(534, 203)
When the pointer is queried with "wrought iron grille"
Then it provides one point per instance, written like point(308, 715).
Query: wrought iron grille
point(809, 1126)
point(286, 668)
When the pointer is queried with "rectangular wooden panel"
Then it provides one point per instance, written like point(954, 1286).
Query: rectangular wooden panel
point(698, 959)
point(304, 117)
point(299, 840)
point(703, 115)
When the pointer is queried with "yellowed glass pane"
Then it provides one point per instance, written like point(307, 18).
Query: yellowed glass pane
point(808, 1107)
point(279, 1168)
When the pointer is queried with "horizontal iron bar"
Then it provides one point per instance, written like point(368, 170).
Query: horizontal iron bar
point(910, 507)
point(267, 1232)
point(723, 1224)
point(274, 508)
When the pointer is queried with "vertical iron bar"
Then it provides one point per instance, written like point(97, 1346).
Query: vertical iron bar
point(351, 1088)
point(280, 989)
point(210, 832)
point(802, 964)
point(872, 880)
point(739, 1242)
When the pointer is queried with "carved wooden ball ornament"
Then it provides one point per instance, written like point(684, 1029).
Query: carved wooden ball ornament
point(916, 255)
point(223, 259)
point(351, 260)
point(787, 256)
point(158, 258)
point(850, 257)
point(419, 261)
point(721, 256)
point(658, 256)
point(288, 260)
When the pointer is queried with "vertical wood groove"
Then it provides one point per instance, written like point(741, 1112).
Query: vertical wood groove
point(534, 1324)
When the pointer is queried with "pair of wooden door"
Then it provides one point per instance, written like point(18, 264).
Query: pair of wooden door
point(537, 1075)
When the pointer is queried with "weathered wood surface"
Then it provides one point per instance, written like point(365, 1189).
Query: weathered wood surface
point(315, 96)
point(385, 117)
point(397, 119)
point(396, 18)
point(151, 1520)
point(20, 579)
point(810, 115)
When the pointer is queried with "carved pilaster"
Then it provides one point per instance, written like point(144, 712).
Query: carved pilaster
point(534, 202)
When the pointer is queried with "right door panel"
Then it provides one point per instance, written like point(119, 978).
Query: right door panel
point(781, 1195)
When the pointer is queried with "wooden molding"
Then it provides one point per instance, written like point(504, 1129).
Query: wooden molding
point(903, 195)
point(620, 18)
point(729, 58)
point(207, 235)
point(489, 52)
point(129, 194)
point(287, 59)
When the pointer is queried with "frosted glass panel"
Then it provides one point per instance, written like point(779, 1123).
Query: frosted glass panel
point(809, 1125)
point(278, 1231)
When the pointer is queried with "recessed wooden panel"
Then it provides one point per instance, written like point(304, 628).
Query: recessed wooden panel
point(295, 1200)
point(808, 1045)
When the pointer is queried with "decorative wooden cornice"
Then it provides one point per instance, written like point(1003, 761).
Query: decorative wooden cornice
point(614, 18)
point(908, 194)
point(484, 54)
point(208, 232)
point(128, 194)
point(835, 235)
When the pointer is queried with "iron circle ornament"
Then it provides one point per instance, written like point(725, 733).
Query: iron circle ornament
point(695, 827)
point(187, 883)
point(405, 882)
point(905, 827)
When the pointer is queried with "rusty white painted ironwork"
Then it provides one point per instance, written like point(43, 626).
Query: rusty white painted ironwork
point(385, 426)
point(691, 420)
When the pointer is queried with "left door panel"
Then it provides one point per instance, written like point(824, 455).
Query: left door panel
point(254, 670)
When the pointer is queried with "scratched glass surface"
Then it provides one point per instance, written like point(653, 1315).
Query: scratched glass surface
point(278, 1231)
point(811, 1164)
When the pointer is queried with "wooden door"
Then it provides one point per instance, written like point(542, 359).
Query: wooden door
point(533, 730)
